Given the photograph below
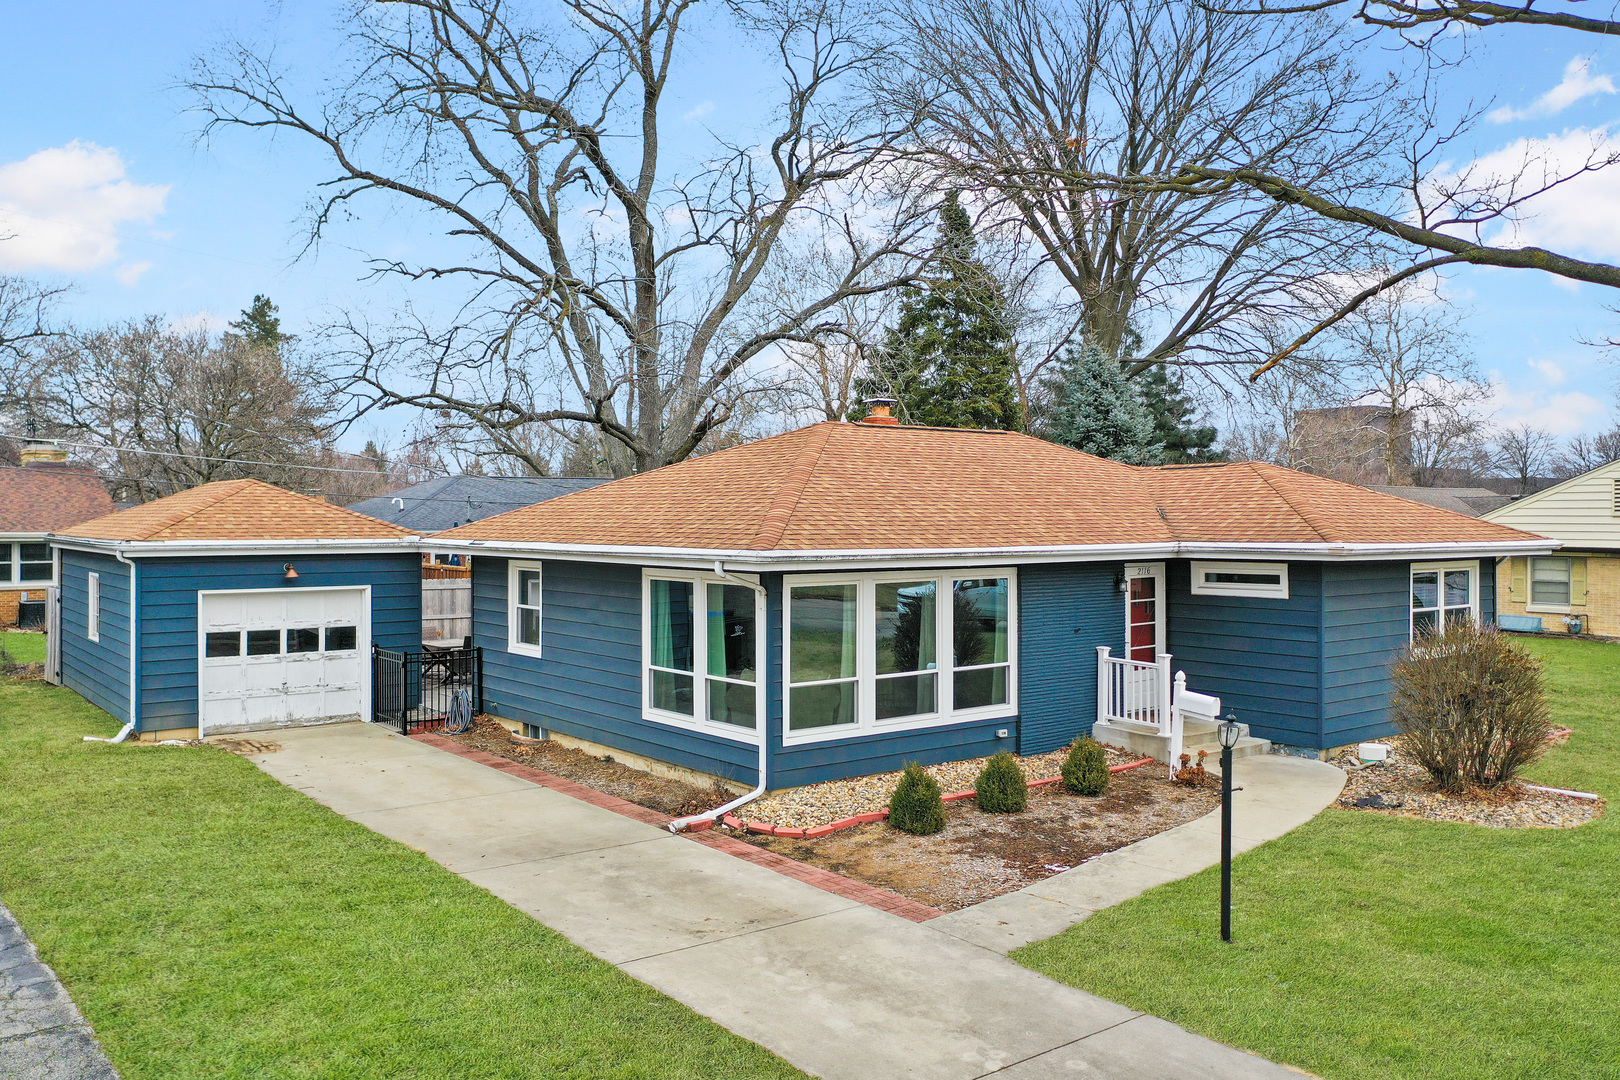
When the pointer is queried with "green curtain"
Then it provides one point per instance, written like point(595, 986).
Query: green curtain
point(717, 630)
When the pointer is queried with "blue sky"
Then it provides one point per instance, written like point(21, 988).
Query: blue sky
point(98, 149)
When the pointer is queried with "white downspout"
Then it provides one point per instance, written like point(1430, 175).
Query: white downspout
point(681, 824)
point(134, 632)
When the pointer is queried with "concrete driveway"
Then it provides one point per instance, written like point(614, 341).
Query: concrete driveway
point(838, 988)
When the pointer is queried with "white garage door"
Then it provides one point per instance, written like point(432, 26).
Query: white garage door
point(282, 657)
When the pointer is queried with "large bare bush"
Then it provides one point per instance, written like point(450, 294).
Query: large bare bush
point(1471, 705)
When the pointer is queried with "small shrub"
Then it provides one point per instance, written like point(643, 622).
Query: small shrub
point(1000, 788)
point(916, 807)
point(1190, 774)
point(1085, 770)
point(1472, 707)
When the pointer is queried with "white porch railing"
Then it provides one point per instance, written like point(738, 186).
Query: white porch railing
point(1134, 691)
point(1139, 692)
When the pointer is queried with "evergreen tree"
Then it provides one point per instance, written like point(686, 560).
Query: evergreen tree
point(1096, 410)
point(260, 325)
point(949, 361)
point(1165, 395)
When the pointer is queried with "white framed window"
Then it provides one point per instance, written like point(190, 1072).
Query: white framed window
point(883, 652)
point(27, 563)
point(1550, 580)
point(702, 652)
point(523, 582)
point(92, 621)
point(1269, 580)
point(1443, 594)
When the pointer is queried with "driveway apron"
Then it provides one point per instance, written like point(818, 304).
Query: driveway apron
point(842, 990)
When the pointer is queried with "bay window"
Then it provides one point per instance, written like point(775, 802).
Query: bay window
point(1443, 594)
point(701, 669)
point(900, 650)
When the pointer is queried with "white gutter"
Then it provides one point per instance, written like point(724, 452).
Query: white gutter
point(755, 561)
point(134, 636)
point(179, 548)
point(681, 824)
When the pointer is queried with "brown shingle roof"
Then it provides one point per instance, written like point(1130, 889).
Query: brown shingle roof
point(236, 510)
point(837, 486)
point(46, 498)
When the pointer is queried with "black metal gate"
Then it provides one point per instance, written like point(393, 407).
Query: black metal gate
point(412, 691)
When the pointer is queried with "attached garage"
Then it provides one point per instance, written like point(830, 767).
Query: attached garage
point(276, 658)
point(235, 606)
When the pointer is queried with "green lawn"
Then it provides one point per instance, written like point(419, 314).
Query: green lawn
point(24, 648)
point(212, 923)
point(1367, 946)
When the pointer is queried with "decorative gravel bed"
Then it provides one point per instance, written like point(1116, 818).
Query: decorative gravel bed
point(1402, 787)
point(818, 804)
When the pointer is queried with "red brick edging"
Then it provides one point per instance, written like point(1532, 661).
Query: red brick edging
point(825, 880)
point(763, 828)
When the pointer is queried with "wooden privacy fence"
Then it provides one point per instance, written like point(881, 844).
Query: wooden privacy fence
point(446, 608)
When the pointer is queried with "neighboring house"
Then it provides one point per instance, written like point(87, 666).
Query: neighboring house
point(845, 598)
point(233, 606)
point(444, 503)
point(1581, 581)
point(1472, 501)
point(43, 495)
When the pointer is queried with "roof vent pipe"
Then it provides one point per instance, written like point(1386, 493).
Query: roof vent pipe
point(880, 410)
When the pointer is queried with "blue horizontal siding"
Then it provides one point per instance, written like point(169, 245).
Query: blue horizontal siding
point(97, 670)
point(587, 683)
point(168, 608)
point(1065, 612)
point(1261, 656)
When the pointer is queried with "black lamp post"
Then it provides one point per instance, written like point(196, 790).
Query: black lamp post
point(1228, 732)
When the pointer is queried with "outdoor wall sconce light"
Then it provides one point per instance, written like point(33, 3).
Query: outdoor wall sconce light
point(1228, 732)
point(1119, 581)
point(291, 574)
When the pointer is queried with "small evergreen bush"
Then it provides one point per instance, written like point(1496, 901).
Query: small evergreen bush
point(1471, 705)
point(916, 806)
point(1085, 770)
point(1000, 788)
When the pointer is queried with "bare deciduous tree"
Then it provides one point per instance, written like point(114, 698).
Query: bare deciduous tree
point(607, 290)
point(157, 411)
point(1524, 453)
point(1049, 111)
point(1434, 16)
point(1583, 453)
point(25, 308)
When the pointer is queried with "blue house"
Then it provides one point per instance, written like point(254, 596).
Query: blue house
point(234, 606)
point(844, 598)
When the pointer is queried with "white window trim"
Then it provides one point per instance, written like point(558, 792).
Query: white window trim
point(1473, 589)
point(699, 720)
point(1200, 587)
point(12, 552)
point(513, 644)
point(1530, 585)
point(92, 619)
point(866, 654)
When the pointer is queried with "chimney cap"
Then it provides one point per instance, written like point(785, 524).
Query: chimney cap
point(879, 411)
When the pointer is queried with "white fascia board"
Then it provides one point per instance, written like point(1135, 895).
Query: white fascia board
point(756, 561)
point(201, 548)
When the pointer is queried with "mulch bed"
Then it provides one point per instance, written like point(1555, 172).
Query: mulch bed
point(979, 856)
point(1401, 787)
point(672, 797)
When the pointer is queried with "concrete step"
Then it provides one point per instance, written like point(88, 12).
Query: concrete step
point(1145, 739)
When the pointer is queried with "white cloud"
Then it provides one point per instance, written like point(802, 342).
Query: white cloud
point(1561, 414)
point(698, 112)
point(1578, 83)
point(130, 273)
point(1549, 371)
point(1579, 216)
point(199, 320)
point(62, 208)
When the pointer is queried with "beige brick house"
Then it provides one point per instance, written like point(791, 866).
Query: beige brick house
point(41, 496)
point(1578, 586)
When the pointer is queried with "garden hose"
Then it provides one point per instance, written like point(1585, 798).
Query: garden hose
point(459, 720)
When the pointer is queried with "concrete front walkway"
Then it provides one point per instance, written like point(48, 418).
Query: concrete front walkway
point(838, 988)
point(43, 1036)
